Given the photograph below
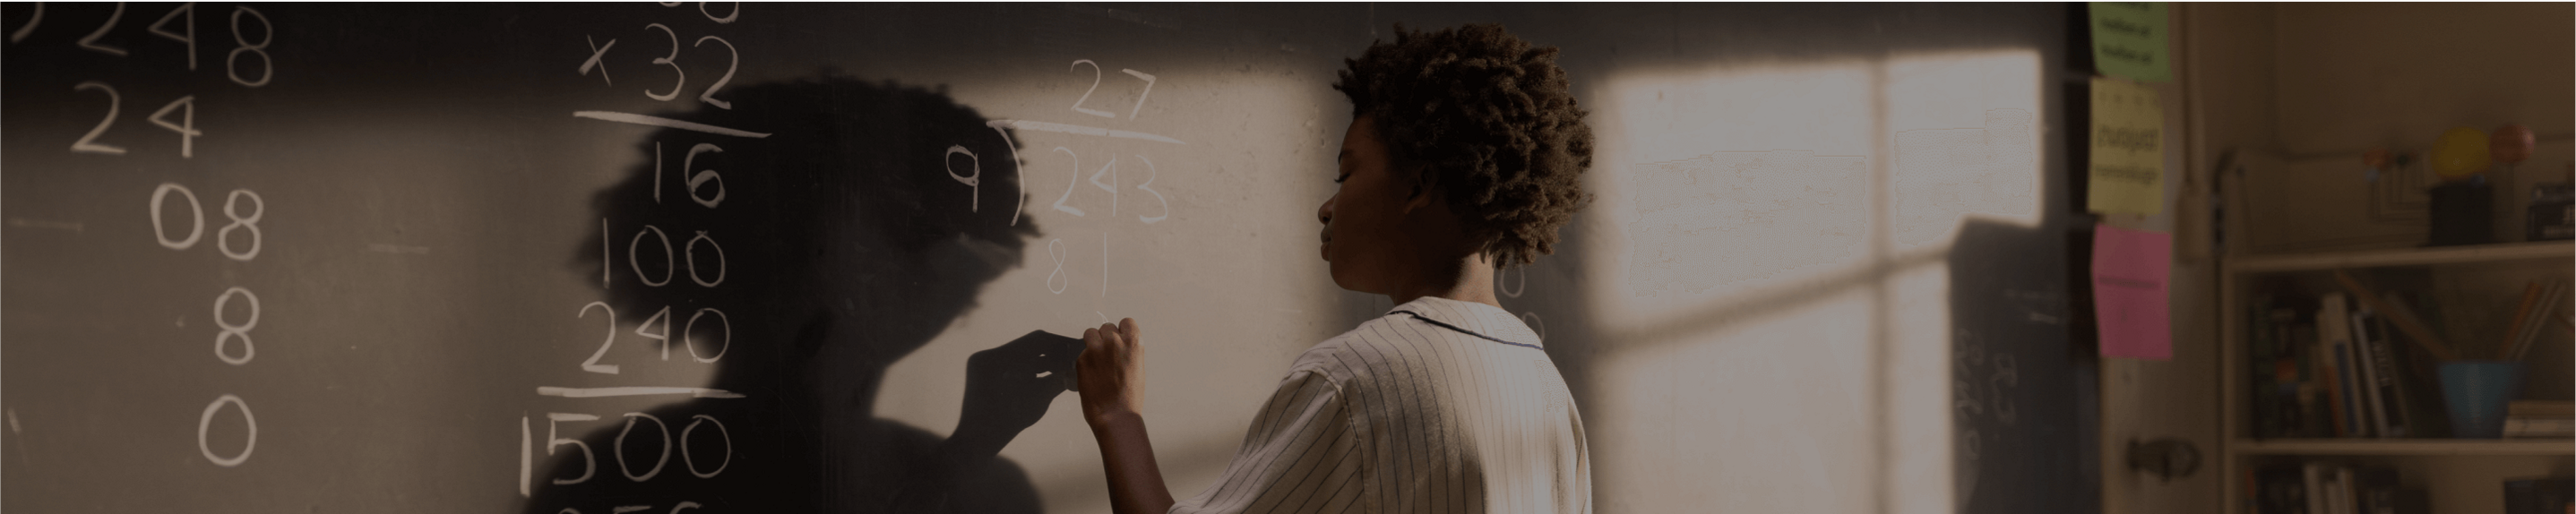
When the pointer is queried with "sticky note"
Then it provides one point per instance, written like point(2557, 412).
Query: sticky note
point(2129, 40)
point(2128, 149)
point(2130, 268)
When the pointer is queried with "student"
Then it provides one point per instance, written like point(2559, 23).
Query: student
point(1465, 153)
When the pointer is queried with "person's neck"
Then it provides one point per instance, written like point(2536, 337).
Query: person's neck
point(1466, 279)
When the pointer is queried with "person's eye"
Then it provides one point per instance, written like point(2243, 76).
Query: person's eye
point(1338, 180)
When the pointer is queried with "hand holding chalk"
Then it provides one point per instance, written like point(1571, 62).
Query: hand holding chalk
point(1108, 373)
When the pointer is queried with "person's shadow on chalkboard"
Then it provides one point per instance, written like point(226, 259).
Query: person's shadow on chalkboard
point(867, 222)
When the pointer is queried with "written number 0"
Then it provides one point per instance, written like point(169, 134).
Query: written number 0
point(249, 442)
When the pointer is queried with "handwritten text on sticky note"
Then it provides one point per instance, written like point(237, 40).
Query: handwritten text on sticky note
point(2128, 149)
point(2129, 40)
point(2129, 272)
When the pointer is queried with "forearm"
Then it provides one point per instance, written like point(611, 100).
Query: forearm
point(1135, 482)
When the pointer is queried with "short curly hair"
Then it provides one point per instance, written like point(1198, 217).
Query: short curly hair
point(1493, 117)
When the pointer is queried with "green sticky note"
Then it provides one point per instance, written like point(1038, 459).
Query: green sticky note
point(2129, 40)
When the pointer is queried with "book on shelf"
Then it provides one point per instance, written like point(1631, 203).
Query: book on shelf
point(2539, 496)
point(2543, 408)
point(2351, 403)
point(2417, 397)
point(2390, 387)
point(2540, 419)
point(2279, 371)
point(2326, 487)
point(2279, 490)
point(2377, 491)
point(2374, 407)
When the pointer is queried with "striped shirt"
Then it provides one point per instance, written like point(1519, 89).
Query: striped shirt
point(1439, 406)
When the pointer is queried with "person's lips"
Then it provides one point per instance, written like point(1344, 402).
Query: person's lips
point(1327, 246)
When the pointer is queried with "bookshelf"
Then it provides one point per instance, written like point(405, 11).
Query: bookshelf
point(2468, 283)
point(2403, 446)
point(2329, 261)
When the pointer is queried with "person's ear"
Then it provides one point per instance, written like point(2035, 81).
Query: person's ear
point(1426, 188)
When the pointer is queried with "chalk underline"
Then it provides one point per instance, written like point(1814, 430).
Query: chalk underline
point(598, 392)
point(658, 121)
point(1042, 126)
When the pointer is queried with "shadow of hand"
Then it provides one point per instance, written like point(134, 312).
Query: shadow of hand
point(1009, 387)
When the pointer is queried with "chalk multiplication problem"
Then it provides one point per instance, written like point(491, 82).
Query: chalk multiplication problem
point(687, 264)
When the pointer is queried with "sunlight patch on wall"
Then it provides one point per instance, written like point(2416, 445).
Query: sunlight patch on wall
point(1774, 301)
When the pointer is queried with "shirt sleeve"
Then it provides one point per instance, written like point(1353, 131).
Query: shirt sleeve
point(1300, 456)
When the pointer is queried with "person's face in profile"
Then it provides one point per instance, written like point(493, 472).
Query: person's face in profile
point(1362, 235)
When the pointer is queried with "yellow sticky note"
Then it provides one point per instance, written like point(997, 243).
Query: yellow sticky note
point(2128, 149)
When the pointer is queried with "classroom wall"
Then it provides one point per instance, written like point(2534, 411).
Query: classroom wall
point(2346, 78)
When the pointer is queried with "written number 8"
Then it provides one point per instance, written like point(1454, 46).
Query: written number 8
point(231, 330)
point(268, 67)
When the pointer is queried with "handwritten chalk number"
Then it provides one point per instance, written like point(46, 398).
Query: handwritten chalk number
point(258, 209)
point(702, 177)
point(187, 14)
point(1069, 181)
point(90, 41)
point(236, 330)
point(620, 448)
point(30, 27)
point(88, 142)
point(249, 441)
point(1086, 94)
point(733, 58)
point(268, 33)
point(593, 364)
point(664, 317)
point(197, 213)
point(186, 127)
point(679, 77)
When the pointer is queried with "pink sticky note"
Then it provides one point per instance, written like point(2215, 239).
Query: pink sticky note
point(2129, 272)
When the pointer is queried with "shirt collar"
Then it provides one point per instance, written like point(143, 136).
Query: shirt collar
point(1473, 318)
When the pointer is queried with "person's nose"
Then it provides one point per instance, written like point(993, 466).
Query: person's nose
point(1324, 213)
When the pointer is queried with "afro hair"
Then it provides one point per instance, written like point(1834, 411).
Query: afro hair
point(1493, 118)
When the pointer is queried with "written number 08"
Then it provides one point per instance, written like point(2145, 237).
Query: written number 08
point(197, 223)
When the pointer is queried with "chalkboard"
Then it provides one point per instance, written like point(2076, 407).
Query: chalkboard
point(708, 257)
